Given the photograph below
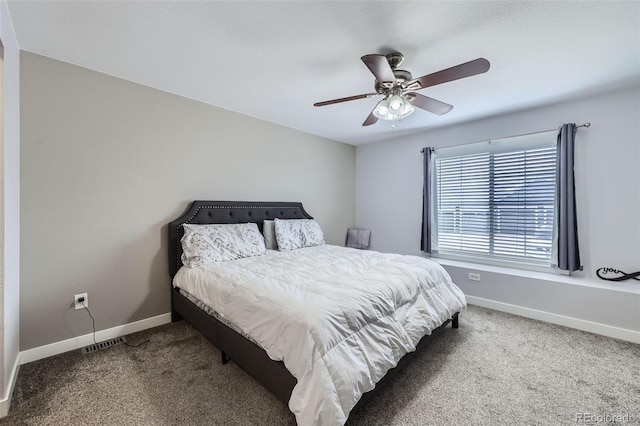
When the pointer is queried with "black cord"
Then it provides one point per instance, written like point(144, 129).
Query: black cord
point(135, 346)
point(93, 320)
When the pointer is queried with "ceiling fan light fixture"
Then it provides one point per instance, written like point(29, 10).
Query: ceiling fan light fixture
point(393, 107)
point(382, 109)
point(396, 103)
point(406, 110)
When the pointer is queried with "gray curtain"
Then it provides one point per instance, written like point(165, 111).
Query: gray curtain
point(567, 224)
point(425, 241)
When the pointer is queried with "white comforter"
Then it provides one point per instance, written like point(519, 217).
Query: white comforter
point(338, 318)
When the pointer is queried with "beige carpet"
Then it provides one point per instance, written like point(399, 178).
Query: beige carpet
point(495, 369)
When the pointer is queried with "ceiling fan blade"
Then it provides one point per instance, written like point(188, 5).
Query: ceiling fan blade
point(349, 98)
point(428, 104)
point(477, 66)
point(379, 66)
point(371, 119)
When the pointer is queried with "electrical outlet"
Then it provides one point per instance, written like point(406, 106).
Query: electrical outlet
point(474, 276)
point(77, 298)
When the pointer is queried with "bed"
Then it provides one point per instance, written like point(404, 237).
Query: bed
point(231, 332)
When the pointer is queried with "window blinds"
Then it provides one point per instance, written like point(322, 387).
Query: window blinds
point(497, 199)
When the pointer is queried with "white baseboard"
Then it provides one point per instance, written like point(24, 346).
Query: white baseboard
point(6, 402)
point(592, 327)
point(81, 341)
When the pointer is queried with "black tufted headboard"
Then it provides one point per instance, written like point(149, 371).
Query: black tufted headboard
point(207, 212)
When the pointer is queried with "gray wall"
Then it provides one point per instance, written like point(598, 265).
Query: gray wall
point(389, 201)
point(107, 163)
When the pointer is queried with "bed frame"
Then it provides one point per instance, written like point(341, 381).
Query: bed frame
point(233, 346)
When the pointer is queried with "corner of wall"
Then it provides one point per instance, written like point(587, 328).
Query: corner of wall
point(9, 308)
point(5, 402)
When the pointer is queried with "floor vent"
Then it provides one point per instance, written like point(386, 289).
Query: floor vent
point(103, 345)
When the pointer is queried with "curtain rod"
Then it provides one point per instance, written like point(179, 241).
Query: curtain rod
point(587, 124)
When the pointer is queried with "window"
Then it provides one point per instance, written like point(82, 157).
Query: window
point(494, 202)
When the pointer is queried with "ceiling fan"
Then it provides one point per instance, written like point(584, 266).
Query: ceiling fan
point(398, 87)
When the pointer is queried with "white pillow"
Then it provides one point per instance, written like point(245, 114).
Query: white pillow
point(269, 233)
point(293, 234)
point(203, 244)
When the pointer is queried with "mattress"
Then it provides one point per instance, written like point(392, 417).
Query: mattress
point(338, 318)
point(210, 311)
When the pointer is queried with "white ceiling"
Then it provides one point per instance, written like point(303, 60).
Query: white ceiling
point(273, 60)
